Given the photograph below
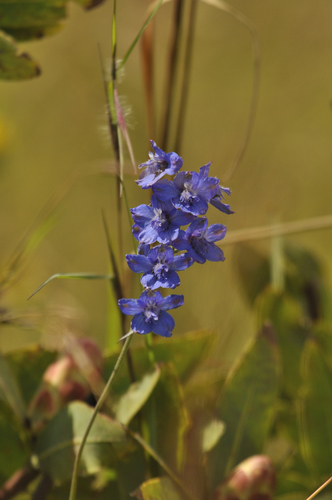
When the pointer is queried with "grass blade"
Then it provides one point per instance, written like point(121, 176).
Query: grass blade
point(84, 276)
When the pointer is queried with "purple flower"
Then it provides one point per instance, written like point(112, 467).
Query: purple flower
point(150, 314)
point(159, 267)
point(160, 164)
point(159, 222)
point(217, 200)
point(190, 191)
point(198, 240)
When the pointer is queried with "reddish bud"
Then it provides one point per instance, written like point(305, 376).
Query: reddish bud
point(65, 380)
point(252, 479)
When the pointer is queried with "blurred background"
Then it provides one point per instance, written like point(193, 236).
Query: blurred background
point(54, 126)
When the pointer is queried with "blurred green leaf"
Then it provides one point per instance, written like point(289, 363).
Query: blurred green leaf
point(131, 472)
point(10, 391)
point(26, 13)
point(167, 418)
point(315, 412)
point(28, 365)
point(285, 314)
point(246, 406)
point(34, 32)
point(14, 448)
point(305, 280)
point(186, 352)
point(136, 396)
point(89, 4)
point(211, 434)
point(14, 65)
point(158, 488)
point(253, 269)
point(28, 20)
point(86, 490)
point(57, 444)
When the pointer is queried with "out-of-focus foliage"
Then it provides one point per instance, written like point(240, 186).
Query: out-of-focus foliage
point(29, 20)
point(270, 419)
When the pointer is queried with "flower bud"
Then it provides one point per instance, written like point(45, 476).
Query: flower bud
point(65, 380)
point(252, 479)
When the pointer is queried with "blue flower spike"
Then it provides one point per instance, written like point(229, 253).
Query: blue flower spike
point(173, 222)
point(150, 312)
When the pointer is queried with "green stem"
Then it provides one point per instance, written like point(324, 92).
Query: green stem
point(100, 402)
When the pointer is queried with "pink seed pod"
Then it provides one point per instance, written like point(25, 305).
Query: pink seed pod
point(252, 479)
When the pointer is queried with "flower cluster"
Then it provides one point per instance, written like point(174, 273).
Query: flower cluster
point(175, 204)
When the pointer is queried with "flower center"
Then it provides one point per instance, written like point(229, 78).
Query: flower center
point(151, 312)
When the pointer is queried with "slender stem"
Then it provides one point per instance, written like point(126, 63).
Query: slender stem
point(161, 462)
point(18, 482)
point(100, 402)
point(315, 493)
point(186, 76)
point(170, 75)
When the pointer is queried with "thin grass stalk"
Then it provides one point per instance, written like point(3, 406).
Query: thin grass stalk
point(161, 462)
point(100, 402)
point(315, 493)
point(148, 67)
point(264, 232)
point(171, 72)
point(186, 76)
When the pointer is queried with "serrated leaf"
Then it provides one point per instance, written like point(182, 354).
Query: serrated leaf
point(167, 418)
point(246, 406)
point(158, 488)
point(14, 65)
point(58, 443)
point(136, 396)
point(315, 411)
point(10, 391)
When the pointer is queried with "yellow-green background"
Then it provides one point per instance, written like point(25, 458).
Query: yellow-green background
point(55, 125)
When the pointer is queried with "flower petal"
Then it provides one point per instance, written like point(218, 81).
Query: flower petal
point(164, 326)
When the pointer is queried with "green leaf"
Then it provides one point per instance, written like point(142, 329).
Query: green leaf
point(253, 269)
point(246, 406)
point(14, 65)
point(158, 488)
point(89, 4)
point(87, 489)
point(23, 13)
point(315, 412)
point(14, 448)
point(34, 32)
point(211, 434)
point(131, 472)
point(167, 418)
point(136, 396)
point(186, 352)
point(285, 314)
point(28, 365)
point(10, 391)
point(58, 443)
